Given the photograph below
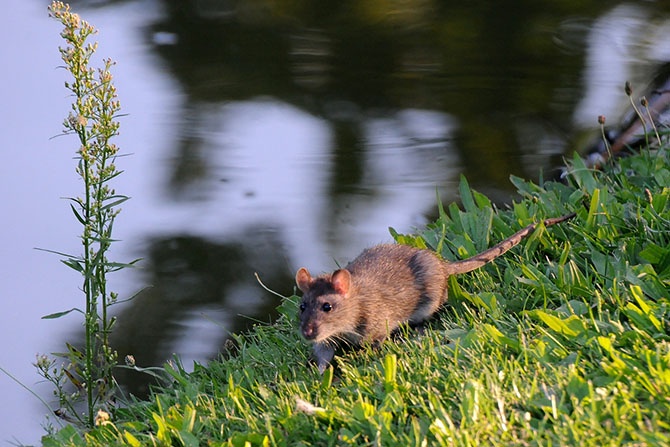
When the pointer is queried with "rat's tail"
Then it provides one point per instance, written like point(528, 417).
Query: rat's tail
point(473, 263)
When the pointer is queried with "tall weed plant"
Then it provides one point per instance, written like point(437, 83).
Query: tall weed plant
point(86, 373)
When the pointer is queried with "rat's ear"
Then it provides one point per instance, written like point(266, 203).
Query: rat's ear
point(303, 279)
point(341, 280)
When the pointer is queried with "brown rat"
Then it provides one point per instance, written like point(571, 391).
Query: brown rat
point(385, 286)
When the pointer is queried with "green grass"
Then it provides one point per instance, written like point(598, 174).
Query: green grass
point(562, 341)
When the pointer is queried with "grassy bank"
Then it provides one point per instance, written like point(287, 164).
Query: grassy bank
point(562, 341)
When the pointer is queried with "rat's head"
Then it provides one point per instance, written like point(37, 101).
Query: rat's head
point(326, 306)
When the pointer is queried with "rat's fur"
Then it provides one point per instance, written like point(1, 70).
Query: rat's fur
point(385, 286)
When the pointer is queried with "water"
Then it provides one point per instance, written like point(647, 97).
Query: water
point(277, 138)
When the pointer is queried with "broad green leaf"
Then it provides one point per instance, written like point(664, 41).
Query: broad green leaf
point(653, 254)
point(162, 432)
point(405, 239)
point(131, 439)
point(466, 195)
point(188, 439)
point(657, 256)
point(499, 337)
point(327, 378)
point(68, 436)
point(490, 302)
point(362, 411)
point(482, 201)
point(662, 176)
point(524, 187)
point(606, 344)
point(175, 373)
point(659, 201)
point(642, 315)
point(457, 292)
point(570, 327)
point(573, 307)
point(521, 212)
point(582, 175)
point(578, 387)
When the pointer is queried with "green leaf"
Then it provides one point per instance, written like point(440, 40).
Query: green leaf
point(68, 436)
point(55, 315)
point(643, 315)
point(593, 208)
point(162, 432)
point(456, 292)
point(499, 337)
point(653, 254)
point(59, 253)
point(490, 301)
point(116, 266)
point(442, 215)
point(573, 307)
point(131, 440)
point(405, 239)
point(390, 372)
point(658, 256)
point(176, 373)
point(77, 215)
point(74, 264)
point(481, 200)
point(455, 216)
point(188, 439)
point(327, 379)
point(249, 439)
point(570, 327)
point(119, 200)
point(659, 201)
point(582, 175)
point(466, 195)
point(523, 187)
point(470, 401)
point(606, 344)
point(362, 411)
point(578, 387)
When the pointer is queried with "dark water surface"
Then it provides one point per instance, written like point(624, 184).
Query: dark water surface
point(270, 135)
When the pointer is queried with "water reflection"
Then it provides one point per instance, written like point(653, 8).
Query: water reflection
point(638, 46)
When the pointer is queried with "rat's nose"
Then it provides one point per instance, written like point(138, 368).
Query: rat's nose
point(309, 331)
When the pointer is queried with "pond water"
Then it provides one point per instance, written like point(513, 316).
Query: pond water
point(264, 136)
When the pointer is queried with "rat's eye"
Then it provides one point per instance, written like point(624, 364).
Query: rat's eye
point(326, 307)
point(303, 306)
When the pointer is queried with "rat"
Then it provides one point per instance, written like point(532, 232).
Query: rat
point(385, 286)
